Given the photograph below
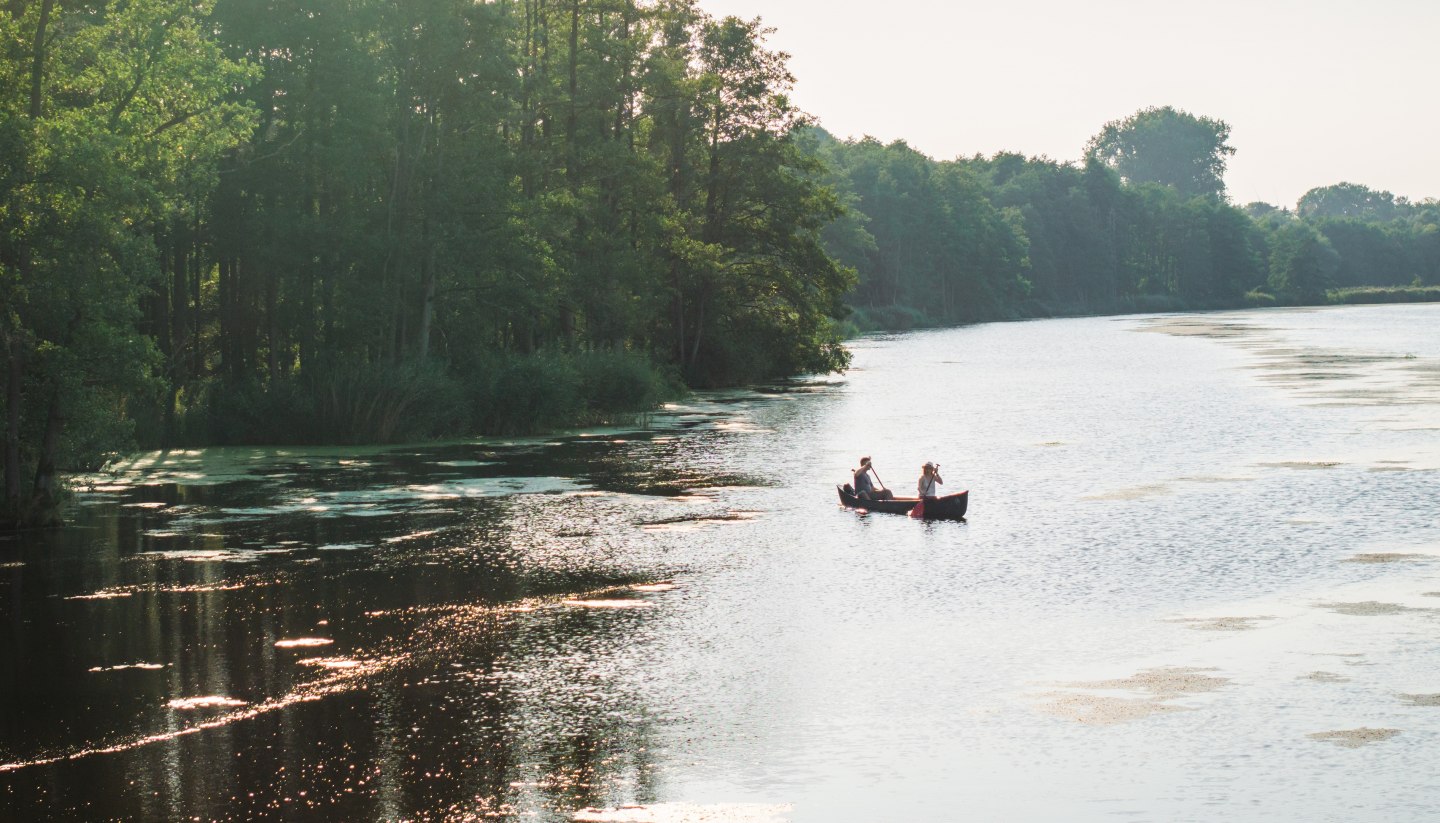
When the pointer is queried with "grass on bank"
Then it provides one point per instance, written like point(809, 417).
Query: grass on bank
point(1385, 294)
point(504, 395)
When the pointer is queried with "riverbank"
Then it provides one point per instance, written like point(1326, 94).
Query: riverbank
point(879, 319)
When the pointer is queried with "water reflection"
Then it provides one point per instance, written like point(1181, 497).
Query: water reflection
point(680, 618)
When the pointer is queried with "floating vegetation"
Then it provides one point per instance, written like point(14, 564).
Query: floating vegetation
point(303, 642)
point(1389, 557)
point(1324, 677)
point(1368, 608)
point(1159, 687)
point(1427, 700)
point(1355, 738)
point(1222, 624)
point(694, 522)
point(1134, 493)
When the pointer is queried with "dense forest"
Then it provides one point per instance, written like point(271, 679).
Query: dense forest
point(280, 221)
point(248, 221)
point(1141, 223)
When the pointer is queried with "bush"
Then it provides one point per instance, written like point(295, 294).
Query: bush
point(505, 394)
point(347, 405)
point(888, 318)
point(526, 394)
point(1259, 299)
point(1384, 294)
point(619, 385)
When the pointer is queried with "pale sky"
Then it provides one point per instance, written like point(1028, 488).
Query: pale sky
point(1315, 92)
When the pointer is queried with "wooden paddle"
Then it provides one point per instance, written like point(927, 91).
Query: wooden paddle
point(877, 476)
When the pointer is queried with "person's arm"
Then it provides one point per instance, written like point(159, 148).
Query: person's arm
point(937, 477)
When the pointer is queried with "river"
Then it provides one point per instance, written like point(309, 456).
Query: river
point(1198, 580)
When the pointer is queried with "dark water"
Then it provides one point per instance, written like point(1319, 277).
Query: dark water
point(519, 630)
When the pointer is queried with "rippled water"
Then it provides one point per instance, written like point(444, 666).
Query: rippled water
point(1200, 578)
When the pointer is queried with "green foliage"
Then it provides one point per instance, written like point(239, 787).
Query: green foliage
point(1302, 263)
point(511, 395)
point(1168, 147)
point(1257, 299)
point(1387, 294)
point(378, 220)
point(111, 120)
point(360, 220)
point(505, 395)
point(1349, 200)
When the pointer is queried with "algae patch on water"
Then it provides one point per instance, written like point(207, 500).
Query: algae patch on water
point(1084, 703)
point(1368, 608)
point(1324, 677)
point(1355, 738)
point(1222, 624)
point(1428, 700)
point(1389, 557)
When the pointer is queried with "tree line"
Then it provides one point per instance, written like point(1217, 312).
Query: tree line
point(231, 221)
point(278, 221)
point(1142, 222)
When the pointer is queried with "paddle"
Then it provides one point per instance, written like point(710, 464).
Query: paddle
point(877, 477)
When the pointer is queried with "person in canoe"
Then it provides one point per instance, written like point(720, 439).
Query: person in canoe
point(930, 481)
point(865, 487)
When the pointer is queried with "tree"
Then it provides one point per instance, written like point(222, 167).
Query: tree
point(1351, 200)
point(1167, 146)
point(114, 117)
point(1302, 263)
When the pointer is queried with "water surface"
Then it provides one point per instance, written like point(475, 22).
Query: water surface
point(1198, 579)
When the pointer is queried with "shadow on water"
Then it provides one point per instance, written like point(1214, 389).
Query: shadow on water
point(418, 633)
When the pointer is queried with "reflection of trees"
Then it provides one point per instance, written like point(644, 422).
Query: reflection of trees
point(463, 704)
point(540, 714)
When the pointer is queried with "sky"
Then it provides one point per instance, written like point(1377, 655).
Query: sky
point(1316, 92)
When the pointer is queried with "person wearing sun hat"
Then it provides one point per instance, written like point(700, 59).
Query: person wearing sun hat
point(930, 480)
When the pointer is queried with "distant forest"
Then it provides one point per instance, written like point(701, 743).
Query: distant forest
point(305, 221)
point(1142, 223)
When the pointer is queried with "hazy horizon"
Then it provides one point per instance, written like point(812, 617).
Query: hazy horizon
point(1315, 92)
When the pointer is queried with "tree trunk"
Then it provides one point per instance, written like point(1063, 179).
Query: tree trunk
point(699, 330)
point(272, 327)
point(37, 61)
point(14, 397)
point(46, 499)
point(427, 306)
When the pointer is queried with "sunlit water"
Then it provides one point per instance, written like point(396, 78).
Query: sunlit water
point(1199, 580)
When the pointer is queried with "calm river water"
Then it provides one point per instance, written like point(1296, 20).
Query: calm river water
point(1198, 581)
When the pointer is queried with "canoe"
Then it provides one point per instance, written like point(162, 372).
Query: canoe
point(949, 507)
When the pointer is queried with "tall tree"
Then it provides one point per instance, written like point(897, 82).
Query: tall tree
point(1167, 146)
point(119, 120)
point(1351, 200)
